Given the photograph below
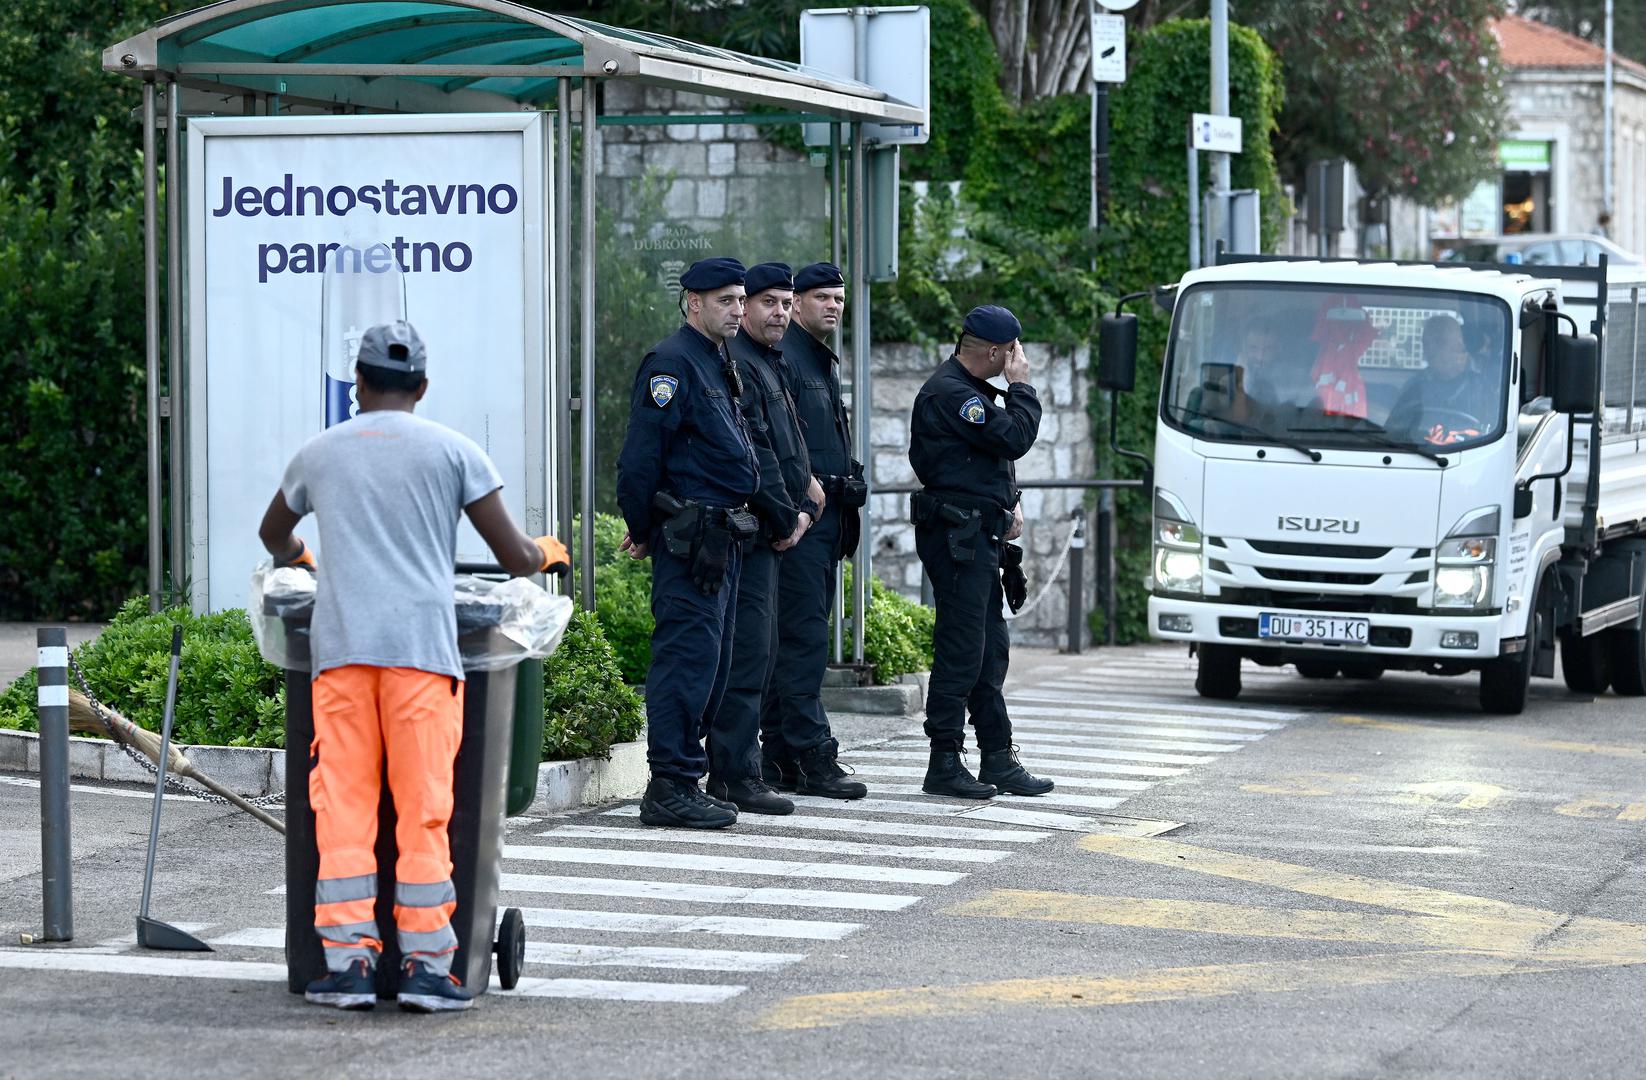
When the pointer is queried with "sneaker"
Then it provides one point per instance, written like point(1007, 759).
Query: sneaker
point(422, 989)
point(355, 987)
point(679, 803)
point(750, 794)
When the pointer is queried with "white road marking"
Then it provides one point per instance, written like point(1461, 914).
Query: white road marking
point(126, 964)
point(1020, 709)
point(86, 789)
point(603, 990)
point(881, 765)
point(727, 864)
point(706, 894)
point(252, 937)
point(956, 807)
point(1035, 723)
point(908, 829)
point(1053, 798)
point(549, 952)
point(1146, 705)
point(788, 843)
point(634, 922)
point(1098, 739)
point(868, 771)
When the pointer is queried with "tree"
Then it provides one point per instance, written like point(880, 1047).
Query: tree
point(1410, 91)
point(1045, 45)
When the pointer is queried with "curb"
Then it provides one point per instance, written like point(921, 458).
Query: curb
point(906, 697)
point(254, 771)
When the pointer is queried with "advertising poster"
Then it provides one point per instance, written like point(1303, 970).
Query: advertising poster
point(304, 232)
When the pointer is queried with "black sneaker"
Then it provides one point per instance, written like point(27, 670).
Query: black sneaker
point(679, 803)
point(779, 775)
point(750, 794)
point(1002, 769)
point(425, 990)
point(821, 774)
point(354, 988)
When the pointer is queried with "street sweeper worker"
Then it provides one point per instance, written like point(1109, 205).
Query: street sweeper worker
point(387, 488)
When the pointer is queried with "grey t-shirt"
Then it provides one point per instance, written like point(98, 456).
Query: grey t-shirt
point(387, 489)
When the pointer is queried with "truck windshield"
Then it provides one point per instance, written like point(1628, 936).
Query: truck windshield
point(1322, 366)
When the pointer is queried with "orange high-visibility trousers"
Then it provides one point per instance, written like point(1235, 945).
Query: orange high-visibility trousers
point(416, 717)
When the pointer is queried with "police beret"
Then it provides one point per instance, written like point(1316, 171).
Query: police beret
point(993, 324)
point(772, 275)
point(714, 273)
point(818, 276)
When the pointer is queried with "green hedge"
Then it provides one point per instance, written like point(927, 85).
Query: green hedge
point(586, 705)
point(897, 638)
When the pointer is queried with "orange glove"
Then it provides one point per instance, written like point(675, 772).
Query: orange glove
point(556, 559)
point(303, 558)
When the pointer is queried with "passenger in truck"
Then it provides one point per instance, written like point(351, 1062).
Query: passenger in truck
point(1453, 399)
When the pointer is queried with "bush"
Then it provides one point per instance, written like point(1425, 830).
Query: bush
point(227, 694)
point(586, 706)
point(622, 598)
point(897, 638)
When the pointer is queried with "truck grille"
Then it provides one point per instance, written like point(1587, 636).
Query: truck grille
point(1318, 551)
point(1317, 577)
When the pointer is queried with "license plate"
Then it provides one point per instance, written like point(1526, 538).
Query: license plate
point(1272, 624)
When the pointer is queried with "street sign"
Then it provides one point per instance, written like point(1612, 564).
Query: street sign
point(1219, 134)
point(897, 51)
point(1117, 5)
point(1109, 48)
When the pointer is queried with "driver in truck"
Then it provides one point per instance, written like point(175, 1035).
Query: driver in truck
point(1452, 400)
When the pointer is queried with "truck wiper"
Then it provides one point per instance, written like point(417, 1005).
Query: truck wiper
point(1312, 455)
point(1378, 437)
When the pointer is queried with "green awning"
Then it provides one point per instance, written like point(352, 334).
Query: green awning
point(458, 55)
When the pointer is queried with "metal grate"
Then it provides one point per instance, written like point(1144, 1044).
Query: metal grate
point(1624, 365)
point(1317, 577)
point(1319, 551)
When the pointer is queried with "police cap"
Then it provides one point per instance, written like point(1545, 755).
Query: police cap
point(716, 273)
point(770, 275)
point(819, 275)
point(994, 324)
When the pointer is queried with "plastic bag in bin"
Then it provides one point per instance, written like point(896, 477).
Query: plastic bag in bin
point(529, 620)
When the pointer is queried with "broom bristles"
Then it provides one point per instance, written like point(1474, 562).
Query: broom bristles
point(83, 718)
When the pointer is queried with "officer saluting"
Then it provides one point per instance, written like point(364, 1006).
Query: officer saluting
point(686, 469)
point(788, 501)
point(962, 446)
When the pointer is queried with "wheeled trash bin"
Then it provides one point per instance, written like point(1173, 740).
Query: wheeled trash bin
point(500, 624)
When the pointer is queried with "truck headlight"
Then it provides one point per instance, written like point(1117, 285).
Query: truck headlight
point(1464, 561)
point(1176, 570)
point(1463, 586)
point(1469, 550)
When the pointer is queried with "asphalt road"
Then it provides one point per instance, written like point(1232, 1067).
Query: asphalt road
point(1364, 879)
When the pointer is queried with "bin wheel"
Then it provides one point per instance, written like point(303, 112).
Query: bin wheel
point(510, 948)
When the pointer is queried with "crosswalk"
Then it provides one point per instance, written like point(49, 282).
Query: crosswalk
point(623, 913)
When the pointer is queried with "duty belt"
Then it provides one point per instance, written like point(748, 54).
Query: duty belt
point(929, 507)
point(849, 490)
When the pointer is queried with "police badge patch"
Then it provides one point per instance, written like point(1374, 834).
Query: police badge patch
point(663, 388)
point(973, 411)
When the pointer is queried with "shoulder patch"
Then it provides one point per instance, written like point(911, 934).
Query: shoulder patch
point(973, 411)
point(663, 388)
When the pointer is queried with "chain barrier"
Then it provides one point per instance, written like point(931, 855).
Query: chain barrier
point(1051, 579)
point(173, 784)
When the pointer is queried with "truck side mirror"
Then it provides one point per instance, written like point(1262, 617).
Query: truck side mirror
point(1574, 372)
point(1165, 297)
point(1117, 352)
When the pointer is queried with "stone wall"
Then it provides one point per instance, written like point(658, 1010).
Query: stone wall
point(1065, 450)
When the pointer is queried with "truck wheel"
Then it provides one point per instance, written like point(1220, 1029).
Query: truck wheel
point(1219, 672)
point(1586, 662)
point(1628, 661)
point(1363, 670)
point(1317, 669)
point(1505, 680)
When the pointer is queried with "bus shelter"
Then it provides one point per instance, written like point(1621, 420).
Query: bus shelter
point(298, 58)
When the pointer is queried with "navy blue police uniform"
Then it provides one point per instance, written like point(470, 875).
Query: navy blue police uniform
point(963, 444)
point(785, 479)
point(798, 749)
point(687, 442)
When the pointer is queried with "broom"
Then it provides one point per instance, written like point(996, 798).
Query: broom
point(87, 720)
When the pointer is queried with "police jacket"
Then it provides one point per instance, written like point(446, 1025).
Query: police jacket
point(686, 434)
point(962, 443)
point(779, 444)
point(814, 381)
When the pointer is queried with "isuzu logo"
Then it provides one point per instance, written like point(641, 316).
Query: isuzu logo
point(1317, 524)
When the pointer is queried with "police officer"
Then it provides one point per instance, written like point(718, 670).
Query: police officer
point(686, 469)
point(788, 501)
point(962, 444)
point(798, 751)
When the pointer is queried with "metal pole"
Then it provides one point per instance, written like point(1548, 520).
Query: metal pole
point(1102, 164)
point(1107, 541)
point(1077, 583)
point(174, 335)
point(1093, 215)
point(1606, 136)
point(1194, 208)
point(562, 270)
point(151, 340)
point(57, 886)
point(1220, 87)
point(1634, 356)
point(585, 386)
point(860, 373)
point(836, 201)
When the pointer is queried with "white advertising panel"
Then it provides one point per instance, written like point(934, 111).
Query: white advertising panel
point(304, 232)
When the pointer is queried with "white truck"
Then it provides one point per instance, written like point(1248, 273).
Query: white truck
point(1363, 466)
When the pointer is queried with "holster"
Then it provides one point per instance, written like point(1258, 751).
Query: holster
point(854, 490)
point(682, 528)
point(1012, 581)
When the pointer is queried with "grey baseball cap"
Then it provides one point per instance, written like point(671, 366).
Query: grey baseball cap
point(394, 346)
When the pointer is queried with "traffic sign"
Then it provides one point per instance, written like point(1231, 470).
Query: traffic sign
point(1117, 5)
point(1109, 48)
point(1219, 134)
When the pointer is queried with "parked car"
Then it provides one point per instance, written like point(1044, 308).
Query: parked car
point(1540, 249)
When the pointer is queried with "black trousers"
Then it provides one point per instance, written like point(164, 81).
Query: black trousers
point(734, 732)
point(691, 658)
point(970, 645)
point(793, 720)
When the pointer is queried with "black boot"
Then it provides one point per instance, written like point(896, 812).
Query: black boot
point(679, 803)
point(820, 774)
point(1002, 769)
point(779, 773)
point(946, 774)
point(750, 793)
